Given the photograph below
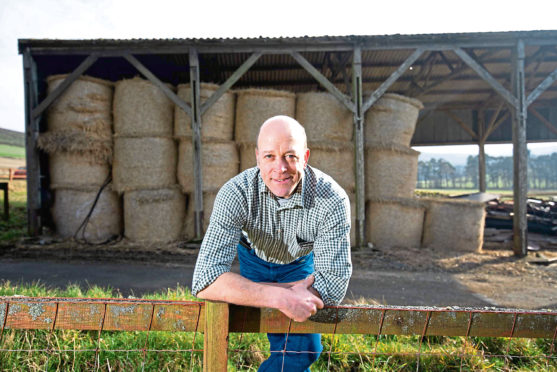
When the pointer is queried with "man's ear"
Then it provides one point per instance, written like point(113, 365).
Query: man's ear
point(306, 158)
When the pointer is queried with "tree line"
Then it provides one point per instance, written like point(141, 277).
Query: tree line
point(440, 173)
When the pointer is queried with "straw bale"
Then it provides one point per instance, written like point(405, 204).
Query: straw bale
point(324, 117)
point(142, 109)
point(86, 105)
point(219, 162)
point(154, 215)
point(395, 223)
point(254, 106)
point(390, 172)
point(353, 231)
point(218, 120)
point(392, 120)
point(75, 170)
point(143, 163)
point(335, 159)
point(97, 149)
point(247, 156)
point(454, 225)
point(189, 225)
point(71, 207)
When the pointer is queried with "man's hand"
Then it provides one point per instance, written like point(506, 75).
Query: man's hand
point(300, 302)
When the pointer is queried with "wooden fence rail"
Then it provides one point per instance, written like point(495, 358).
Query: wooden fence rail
point(217, 320)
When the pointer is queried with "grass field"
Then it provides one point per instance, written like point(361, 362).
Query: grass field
point(8, 151)
point(11, 137)
point(16, 226)
point(247, 351)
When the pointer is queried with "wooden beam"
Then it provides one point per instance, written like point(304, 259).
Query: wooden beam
point(215, 350)
point(492, 122)
point(391, 79)
point(330, 87)
point(462, 124)
point(230, 81)
point(155, 80)
point(92, 58)
point(486, 76)
point(520, 155)
point(195, 113)
point(31, 151)
point(481, 153)
point(497, 124)
point(542, 118)
point(546, 83)
point(359, 141)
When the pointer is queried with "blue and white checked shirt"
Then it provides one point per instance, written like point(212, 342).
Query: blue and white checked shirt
point(316, 217)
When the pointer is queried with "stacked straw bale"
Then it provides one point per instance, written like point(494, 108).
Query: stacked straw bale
point(253, 107)
point(395, 223)
point(329, 130)
point(189, 225)
point(217, 122)
point(392, 120)
point(219, 162)
point(454, 225)
point(145, 159)
point(79, 144)
point(154, 215)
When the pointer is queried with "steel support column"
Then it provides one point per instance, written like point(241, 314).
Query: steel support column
point(196, 139)
point(31, 150)
point(359, 146)
point(520, 158)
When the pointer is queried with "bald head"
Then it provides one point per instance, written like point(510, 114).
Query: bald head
point(281, 126)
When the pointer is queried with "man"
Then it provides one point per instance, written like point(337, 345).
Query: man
point(290, 225)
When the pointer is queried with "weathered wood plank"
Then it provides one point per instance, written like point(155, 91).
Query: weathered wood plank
point(542, 87)
point(359, 140)
point(215, 355)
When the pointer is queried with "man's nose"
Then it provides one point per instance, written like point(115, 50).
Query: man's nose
point(281, 164)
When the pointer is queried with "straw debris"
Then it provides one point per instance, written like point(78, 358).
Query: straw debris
point(97, 150)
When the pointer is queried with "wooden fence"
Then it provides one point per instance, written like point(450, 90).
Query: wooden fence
point(217, 320)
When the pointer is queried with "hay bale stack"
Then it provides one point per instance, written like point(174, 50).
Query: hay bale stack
point(395, 222)
point(85, 106)
point(95, 148)
point(76, 170)
point(335, 159)
point(71, 207)
point(254, 106)
point(141, 109)
point(154, 215)
point(189, 225)
point(391, 172)
point(392, 120)
point(143, 163)
point(454, 225)
point(247, 156)
point(219, 161)
point(218, 120)
point(324, 117)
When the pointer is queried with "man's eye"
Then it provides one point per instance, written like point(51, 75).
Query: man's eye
point(268, 156)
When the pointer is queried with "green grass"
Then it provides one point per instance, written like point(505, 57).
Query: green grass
point(16, 226)
point(8, 151)
point(11, 137)
point(247, 351)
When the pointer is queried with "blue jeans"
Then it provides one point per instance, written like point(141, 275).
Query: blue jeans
point(301, 349)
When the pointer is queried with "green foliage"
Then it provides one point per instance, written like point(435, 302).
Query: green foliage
point(12, 138)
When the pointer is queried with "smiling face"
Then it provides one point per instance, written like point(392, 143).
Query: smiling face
point(282, 154)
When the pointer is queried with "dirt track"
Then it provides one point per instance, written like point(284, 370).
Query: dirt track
point(11, 163)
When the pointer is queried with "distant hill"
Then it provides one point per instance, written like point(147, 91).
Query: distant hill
point(12, 138)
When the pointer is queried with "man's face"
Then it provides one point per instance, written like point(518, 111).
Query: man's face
point(281, 158)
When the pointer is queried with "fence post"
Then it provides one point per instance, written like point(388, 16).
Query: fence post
point(215, 354)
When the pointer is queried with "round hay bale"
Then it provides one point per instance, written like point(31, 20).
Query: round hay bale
point(189, 225)
point(335, 159)
point(154, 215)
point(75, 170)
point(392, 120)
point(219, 162)
point(390, 172)
point(454, 225)
point(141, 109)
point(395, 223)
point(96, 149)
point(86, 105)
point(247, 156)
point(143, 163)
point(254, 106)
point(324, 117)
point(71, 207)
point(217, 122)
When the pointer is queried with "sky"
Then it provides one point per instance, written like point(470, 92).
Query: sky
point(125, 19)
